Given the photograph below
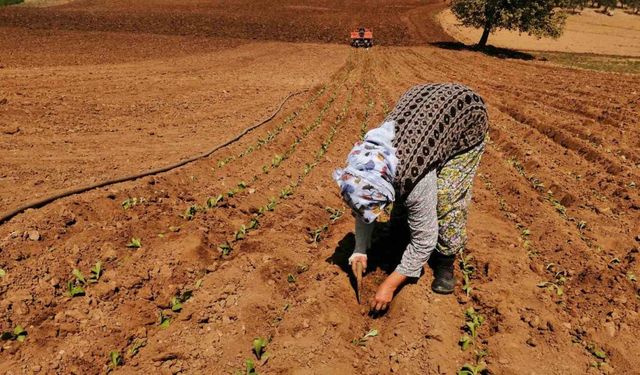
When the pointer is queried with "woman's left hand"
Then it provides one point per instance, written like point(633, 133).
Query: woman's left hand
point(385, 292)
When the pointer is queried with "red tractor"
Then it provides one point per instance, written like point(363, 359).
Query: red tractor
point(362, 38)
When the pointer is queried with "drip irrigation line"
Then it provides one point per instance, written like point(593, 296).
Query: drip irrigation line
point(77, 190)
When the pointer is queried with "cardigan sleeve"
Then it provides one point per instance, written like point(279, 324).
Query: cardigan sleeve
point(422, 215)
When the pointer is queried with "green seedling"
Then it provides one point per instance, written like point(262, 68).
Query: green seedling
point(242, 185)
point(231, 193)
point(79, 276)
point(136, 345)
point(253, 224)
point(559, 280)
point(174, 229)
point(18, 334)
point(465, 342)
point(334, 214)
point(177, 301)
point(362, 341)
point(3, 273)
point(291, 278)
point(74, 290)
point(164, 321)
point(271, 205)
point(135, 243)
point(130, 203)
point(241, 233)
point(215, 201)
point(582, 225)
point(225, 248)
point(469, 369)
point(307, 169)
point(597, 352)
point(286, 192)
point(301, 268)
point(276, 161)
point(473, 322)
point(315, 235)
point(115, 359)
point(265, 169)
point(250, 368)
point(96, 272)
point(260, 348)
point(467, 271)
point(537, 184)
point(631, 276)
point(190, 212)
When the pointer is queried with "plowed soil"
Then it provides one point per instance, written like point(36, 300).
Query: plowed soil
point(553, 227)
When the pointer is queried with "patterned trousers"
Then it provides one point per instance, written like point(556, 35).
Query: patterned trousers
point(455, 180)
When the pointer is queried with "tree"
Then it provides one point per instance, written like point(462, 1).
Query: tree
point(535, 17)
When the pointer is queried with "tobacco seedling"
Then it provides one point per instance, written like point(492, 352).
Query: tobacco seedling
point(242, 185)
point(334, 214)
point(130, 203)
point(631, 276)
point(135, 243)
point(177, 301)
point(597, 352)
point(315, 235)
point(3, 273)
point(260, 348)
point(362, 341)
point(215, 201)
point(225, 248)
point(286, 192)
point(473, 322)
point(291, 278)
point(75, 287)
point(276, 161)
point(469, 369)
point(271, 205)
point(164, 321)
point(467, 270)
point(18, 334)
point(241, 233)
point(253, 224)
point(136, 345)
point(115, 359)
point(582, 225)
point(250, 368)
point(96, 272)
point(190, 212)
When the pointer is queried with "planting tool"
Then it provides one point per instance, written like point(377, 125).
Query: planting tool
point(358, 280)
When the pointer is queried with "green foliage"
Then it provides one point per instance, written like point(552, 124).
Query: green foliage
point(3, 273)
point(135, 243)
point(260, 348)
point(334, 214)
point(473, 322)
point(115, 359)
point(75, 287)
point(315, 235)
point(18, 334)
point(286, 192)
point(469, 369)
point(164, 321)
point(191, 212)
point(215, 201)
point(225, 248)
point(241, 233)
point(178, 300)
point(467, 271)
point(362, 341)
point(96, 272)
point(539, 18)
point(10, 2)
point(291, 278)
point(131, 202)
point(136, 345)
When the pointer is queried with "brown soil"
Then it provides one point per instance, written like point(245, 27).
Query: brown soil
point(556, 196)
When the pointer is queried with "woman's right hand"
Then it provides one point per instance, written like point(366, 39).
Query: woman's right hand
point(358, 258)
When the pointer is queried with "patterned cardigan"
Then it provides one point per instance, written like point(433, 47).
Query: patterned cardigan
point(434, 122)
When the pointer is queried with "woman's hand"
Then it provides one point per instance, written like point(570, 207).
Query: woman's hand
point(385, 292)
point(358, 258)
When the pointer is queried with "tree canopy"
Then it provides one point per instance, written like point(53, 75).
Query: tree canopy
point(540, 18)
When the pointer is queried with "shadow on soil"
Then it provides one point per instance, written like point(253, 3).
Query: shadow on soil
point(388, 242)
point(502, 53)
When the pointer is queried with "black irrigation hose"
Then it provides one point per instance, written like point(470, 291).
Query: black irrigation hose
point(44, 201)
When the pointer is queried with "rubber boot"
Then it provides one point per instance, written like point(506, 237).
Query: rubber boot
point(442, 265)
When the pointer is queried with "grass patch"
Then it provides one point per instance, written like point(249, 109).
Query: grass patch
point(10, 2)
point(616, 64)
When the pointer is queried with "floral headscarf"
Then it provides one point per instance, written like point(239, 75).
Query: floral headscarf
point(366, 183)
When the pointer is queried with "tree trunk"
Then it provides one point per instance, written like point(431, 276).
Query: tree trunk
point(485, 36)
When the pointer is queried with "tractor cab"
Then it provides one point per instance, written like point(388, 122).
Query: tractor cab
point(362, 37)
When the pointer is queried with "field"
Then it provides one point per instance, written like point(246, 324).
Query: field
point(198, 262)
